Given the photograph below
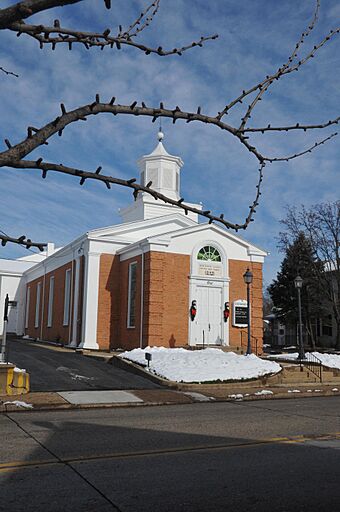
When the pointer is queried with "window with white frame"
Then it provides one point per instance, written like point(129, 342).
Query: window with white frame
point(67, 297)
point(37, 306)
point(131, 320)
point(27, 306)
point(50, 302)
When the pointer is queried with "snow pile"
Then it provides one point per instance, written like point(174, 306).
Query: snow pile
point(19, 370)
point(209, 365)
point(264, 392)
point(18, 403)
point(329, 360)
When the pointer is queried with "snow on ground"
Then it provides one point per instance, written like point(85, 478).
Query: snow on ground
point(18, 403)
point(329, 360)
point(264, 392)
point(209, 365)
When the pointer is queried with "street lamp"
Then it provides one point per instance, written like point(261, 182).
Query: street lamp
point(298, 285)
point(248, 279)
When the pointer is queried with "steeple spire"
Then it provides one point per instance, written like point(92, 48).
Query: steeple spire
point(160, 134)
point(163, 170)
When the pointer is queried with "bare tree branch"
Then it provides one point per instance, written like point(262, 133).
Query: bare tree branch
point(22, 240)
point(14, 157)
point(39, 136)
point(12, 19)
point(296, 155)
point(27, 8)
point(46, 167)
point(296, 126)
point(94, 39)
point(8, 72)
point(140, 23)
point(264, 85)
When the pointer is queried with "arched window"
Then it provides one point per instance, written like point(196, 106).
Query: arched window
point(208, 253)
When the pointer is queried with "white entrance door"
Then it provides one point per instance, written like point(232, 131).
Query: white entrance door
point(209, 316)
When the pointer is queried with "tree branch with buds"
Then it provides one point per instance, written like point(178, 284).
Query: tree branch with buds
point(22, 240)
point(56, 34)
point(15, 156)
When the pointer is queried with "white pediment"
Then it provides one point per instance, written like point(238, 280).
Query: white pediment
point(185, 240)
point(235, 247)
point(133, 231)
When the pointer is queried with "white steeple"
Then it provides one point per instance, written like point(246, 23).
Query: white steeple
point(163, 170)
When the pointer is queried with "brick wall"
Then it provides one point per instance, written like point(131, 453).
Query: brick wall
point(57, 331)
point(238, 290)
point(108, 302)
point(166, 299)
point(129, 337)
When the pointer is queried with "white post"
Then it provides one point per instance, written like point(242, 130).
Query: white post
point(90, 306)
point(4, 332)
point(75, 304)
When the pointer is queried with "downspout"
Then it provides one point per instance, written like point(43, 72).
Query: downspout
point(141, 299)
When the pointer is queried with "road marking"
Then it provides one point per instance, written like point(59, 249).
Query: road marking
point(26, 463)
point(17, 465)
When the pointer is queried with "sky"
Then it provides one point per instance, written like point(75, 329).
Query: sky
point(255, 38)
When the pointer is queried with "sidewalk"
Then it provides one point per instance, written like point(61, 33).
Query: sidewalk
point(138, 398)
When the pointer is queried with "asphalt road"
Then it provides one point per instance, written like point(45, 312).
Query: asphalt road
point(54, 370)
point(277, 455)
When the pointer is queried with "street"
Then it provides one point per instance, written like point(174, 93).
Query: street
point(277, 455)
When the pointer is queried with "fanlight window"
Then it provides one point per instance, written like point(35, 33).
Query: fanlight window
point(209, 253)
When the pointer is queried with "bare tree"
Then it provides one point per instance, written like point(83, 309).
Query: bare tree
point(15, 156)
point(320, 224)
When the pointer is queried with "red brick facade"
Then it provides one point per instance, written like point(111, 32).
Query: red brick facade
point(57, 331)
point(238, 290)
point(165, 302)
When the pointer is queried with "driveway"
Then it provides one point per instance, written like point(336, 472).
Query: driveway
point(55, 369)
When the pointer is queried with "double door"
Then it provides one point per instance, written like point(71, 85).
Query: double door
point(207, 326)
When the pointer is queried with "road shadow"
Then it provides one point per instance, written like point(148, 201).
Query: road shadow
point(102, 465)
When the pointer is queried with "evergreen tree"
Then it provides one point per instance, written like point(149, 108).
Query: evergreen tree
point(299, 260)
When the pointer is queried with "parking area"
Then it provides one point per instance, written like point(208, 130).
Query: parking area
point(54, 368)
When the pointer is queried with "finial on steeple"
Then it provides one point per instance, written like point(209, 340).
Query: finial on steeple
point(160, 134)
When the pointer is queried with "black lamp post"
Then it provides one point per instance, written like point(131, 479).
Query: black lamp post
point(298, 285)
point(248, 279)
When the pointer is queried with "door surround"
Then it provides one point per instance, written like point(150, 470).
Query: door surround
point(214, 281)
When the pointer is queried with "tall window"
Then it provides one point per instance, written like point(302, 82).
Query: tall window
point(67, 297)
point(50, 302)
point(131, 320)
point(27, 306)
point(37, 306)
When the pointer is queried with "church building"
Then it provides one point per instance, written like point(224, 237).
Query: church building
point(160, 278)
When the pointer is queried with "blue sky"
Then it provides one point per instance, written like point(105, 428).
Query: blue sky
point(255, 38)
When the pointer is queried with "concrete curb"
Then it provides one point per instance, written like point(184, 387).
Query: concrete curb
point(56, 403)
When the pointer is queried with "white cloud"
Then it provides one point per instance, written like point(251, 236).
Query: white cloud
point(255, 39)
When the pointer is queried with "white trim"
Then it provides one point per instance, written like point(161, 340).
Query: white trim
point(196, 280)
point(141, 300)
point(133, 264)
point(90, 301)
point(67, 297)
point(50, 302)
point(75, 304)
point(28, 294)
point(37, 305)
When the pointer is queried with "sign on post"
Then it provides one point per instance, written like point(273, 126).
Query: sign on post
point(240, 308)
